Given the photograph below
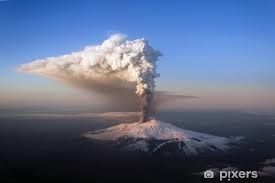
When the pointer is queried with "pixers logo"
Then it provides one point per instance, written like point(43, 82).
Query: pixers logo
point(229, 175)
point(238, 175)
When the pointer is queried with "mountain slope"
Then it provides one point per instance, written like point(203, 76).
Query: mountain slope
point(154, 135)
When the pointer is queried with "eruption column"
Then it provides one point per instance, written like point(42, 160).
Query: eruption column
point(111, 67)
point(145, 105)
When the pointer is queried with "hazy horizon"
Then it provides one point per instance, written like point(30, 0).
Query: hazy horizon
point(221, 53)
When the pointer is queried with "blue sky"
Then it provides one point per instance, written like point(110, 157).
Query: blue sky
point(206, 44)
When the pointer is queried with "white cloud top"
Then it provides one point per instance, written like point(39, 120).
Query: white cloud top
point(117, 60)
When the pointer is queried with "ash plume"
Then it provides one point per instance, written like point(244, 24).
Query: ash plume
point(112, 69)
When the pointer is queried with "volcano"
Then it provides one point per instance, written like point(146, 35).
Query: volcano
point(158, 136)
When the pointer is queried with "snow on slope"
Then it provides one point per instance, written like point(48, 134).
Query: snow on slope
point(137, 136)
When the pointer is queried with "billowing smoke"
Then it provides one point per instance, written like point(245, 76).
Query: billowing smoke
point(112, 68)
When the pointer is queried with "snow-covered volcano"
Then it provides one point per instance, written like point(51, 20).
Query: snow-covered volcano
point(154, 135)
